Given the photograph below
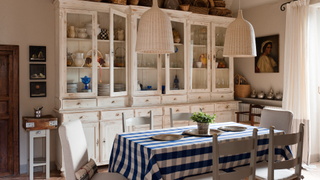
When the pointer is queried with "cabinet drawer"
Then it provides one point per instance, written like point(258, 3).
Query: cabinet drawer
point(205, 108)
point(222, 97)
point(174, 99)
point(146, 101)
point(176, 109)
point(112, 102)
point(195, 98)
point(91, 116)
point(38, 133)
point(78, 103)
point(227, 116)
point(226, 106)
point(146, 112)
point(112, 115)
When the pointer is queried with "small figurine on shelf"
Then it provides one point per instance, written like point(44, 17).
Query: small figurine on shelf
point(86, 80)
point(120, 34)
point(270, 95)
point(176, 36)
point(203, 59)
point(175, 83)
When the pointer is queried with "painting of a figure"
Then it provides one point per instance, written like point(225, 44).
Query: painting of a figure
point(267, 60)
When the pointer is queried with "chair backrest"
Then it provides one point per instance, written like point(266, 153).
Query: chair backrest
point(235, 147)
point(136, 121)
point(179, 117)
point(74, 147)
point(279, 118)
point(285, 140)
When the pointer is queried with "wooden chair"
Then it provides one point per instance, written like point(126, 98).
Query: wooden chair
point(75, 153)
point(136, 121)
point(179, 117)
point(280, 170)
point(250, 114)
point(230, 148)
point(279, 118)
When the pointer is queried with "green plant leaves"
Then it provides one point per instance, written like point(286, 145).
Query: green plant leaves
point(203, 117)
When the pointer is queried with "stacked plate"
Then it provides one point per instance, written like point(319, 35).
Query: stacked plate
point(72, 87)
point(103, 89)
point(119, 87)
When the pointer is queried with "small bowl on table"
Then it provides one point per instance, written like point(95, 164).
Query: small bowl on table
point(184, 7)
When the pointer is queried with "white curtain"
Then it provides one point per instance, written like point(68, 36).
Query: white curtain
point(314, 74)
point(296, 76)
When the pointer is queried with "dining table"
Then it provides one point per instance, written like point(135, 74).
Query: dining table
point(137, 156)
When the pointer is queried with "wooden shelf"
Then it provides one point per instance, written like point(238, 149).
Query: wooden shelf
point(78, 39)
point(265, 102)
point(219, 47)
point(147, 68)
point(107, 41)
point(222, 69)
point(178, 44)
point(199, 46)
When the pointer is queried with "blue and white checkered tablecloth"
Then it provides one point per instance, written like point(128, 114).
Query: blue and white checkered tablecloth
point(136, 156)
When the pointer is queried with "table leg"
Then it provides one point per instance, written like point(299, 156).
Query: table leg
point(30, 155)
point(47, 154)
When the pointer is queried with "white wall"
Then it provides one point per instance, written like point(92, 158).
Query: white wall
point(26, 23)
point(266, 20)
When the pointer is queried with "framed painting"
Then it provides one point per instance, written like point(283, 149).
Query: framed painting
point(37, 53)
point(37, 71)
point(267, 60)
point(38, 89)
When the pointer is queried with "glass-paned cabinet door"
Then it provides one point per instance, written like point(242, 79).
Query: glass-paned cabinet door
point(199, 57)
point(81, 45)
point(148, 72)
point(222, 66)
point(119, 55)
point(176, 62)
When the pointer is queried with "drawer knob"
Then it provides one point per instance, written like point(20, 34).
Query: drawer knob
point(38, 132)
point(148, 112)
point(203, 109)
point(174, 99)
point(177, 110)
point(227, 106)
point(97, 142)
point(104, 140)
point(147, 100)
point(199, 97)
point(79, 103)
point(80, 117)
point(117, 114)
point(112, 102)
point(222, 96)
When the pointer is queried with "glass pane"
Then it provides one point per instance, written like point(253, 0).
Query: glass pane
point(103, 72)
point(79, 53)
point(119, 24)
point(147, 72)
point(163, 73)
point(199, 56)
point(177, 59)
point(222, 63)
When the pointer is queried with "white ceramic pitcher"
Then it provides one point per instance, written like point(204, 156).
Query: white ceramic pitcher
point(78, 60)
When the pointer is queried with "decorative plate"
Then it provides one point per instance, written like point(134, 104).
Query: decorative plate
point(167, 137)
point(232, 128)
point(194, 132)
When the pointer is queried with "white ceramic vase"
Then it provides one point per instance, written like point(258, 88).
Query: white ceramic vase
point(78, 60)
point(106, 60)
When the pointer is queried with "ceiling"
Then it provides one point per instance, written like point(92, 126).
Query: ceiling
point(233, 5)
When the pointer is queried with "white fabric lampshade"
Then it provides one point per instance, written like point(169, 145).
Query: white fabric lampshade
point(240, 39)
point(155, 32)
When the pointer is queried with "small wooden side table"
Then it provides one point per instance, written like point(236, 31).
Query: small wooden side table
point(39, 128)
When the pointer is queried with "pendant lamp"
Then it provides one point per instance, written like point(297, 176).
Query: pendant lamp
point(155, 32)
point(240, 39)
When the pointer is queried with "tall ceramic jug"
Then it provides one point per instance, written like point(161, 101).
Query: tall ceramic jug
point(70, 32)
point(78, 60)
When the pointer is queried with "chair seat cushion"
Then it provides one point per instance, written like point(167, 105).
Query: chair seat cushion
point(108, 176)
point(279, 174)
point(87, 171)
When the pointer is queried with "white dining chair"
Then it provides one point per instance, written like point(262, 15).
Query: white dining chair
point(136, 121)
point(75, 153)
point(231, 148)
point(279, 118)
point(272, 170)
point(179, 117)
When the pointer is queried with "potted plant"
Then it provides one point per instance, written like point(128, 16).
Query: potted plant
point(203, 120)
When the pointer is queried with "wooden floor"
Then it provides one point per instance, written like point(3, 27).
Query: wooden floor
point(55, 175)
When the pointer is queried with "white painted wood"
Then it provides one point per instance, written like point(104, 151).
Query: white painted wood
point(157, 124)
point(176, 109)
point(222, 96)
point(111, 115)
point(108, 131)
point(83, 116)
point(225, 106)
point(91, 132)
point(146, 101)
point(157, 111)
point(112, 102)
point(174, 99)
point(199, 97)
point(47, 154)
point(179, 117)
point(78, 103)
point(135, 121)
point(226, 116)
point(205, 108)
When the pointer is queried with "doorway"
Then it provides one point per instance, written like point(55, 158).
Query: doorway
point(9, 110)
